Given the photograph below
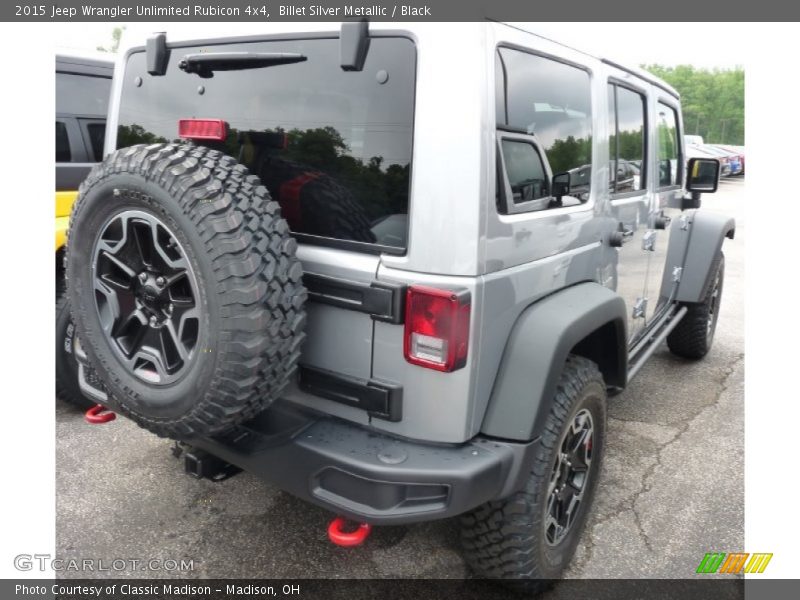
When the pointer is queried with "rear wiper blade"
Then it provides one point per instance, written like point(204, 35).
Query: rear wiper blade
point(204, 64)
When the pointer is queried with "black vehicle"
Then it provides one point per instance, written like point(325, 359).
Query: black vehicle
point(83, 86)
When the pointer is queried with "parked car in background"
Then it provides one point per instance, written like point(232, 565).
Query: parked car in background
point(736, 150)
point(83, 86)
point(695, 151)
point(732, 158)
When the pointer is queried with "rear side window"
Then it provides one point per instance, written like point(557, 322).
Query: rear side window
point(333, 147)
point(82, 94)
point(63, 153)
point(552, 101)
point(669, 163)
point(627, 139)
point(97, 133)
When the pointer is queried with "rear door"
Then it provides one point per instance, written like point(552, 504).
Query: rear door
point(334, 149)
point(630, 198)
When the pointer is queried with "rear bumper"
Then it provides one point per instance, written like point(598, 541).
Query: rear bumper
point(364, 475)
point(357, 472)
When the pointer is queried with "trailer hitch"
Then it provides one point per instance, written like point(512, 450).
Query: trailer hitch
point(347, 539)
point(99, 414)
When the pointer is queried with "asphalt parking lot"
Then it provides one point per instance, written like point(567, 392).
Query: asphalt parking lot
point(671, 490)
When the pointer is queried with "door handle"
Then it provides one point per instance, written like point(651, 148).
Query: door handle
point(618, 238)
point(662, 221)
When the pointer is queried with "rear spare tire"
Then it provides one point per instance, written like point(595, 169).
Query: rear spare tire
point(185, 288)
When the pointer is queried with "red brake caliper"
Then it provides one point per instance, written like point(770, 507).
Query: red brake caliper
point(99, 414)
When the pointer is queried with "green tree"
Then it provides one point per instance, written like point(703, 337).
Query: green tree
point(130, 135)
point(712, 100)
point(116, 38)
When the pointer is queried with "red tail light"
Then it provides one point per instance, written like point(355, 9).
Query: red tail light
point(437, 328)
point(203, 129)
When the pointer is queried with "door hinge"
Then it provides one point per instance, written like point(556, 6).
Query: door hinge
point(676, 274)
point(649, 240)
point(640, 308)
point(684, 222)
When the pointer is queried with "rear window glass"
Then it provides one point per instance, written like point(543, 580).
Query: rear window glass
point(333, 147)
point(82, 94)
point(551, 100)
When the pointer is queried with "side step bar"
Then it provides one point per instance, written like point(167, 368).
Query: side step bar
point(645, 348)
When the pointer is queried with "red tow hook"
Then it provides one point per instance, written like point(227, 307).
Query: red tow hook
point(347, 539)
point(99, 414)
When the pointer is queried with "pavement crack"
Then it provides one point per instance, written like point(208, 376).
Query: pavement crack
point(645, 487)
point(629, 504)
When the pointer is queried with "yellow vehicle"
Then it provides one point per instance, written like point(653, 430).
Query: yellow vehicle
point(83, 86)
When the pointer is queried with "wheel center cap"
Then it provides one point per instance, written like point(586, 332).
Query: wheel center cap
point(150, 294)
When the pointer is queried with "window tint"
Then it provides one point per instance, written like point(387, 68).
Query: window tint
point(97, 133)
point(82, 94)
point(669, 163)
point(63, 153)
point(346, 164)
point(525, 171)
point(627, 140)
point(551, 100)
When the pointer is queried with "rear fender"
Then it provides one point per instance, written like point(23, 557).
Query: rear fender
point(586, 319)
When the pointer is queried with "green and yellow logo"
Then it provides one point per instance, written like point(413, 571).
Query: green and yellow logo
point(719, 562)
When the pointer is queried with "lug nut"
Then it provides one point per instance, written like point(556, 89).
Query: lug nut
point(153, 321)
point(142, 277)
point(160, 281)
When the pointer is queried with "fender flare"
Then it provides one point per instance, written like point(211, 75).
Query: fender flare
point(708, 231)
point(586, 314)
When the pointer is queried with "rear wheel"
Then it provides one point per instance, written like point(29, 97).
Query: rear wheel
point(693, 336)
point(531, 536)
point(187, 290)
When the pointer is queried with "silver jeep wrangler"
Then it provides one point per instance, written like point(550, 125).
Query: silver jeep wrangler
point(396, 270)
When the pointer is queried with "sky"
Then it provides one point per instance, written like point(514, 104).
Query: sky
point(700, 44)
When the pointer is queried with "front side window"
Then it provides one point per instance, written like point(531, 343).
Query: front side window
point(627, 139)
point(550, 100)
point(668, 147)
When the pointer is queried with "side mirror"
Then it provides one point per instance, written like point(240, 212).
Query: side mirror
point(702, 175)
point(560, 186)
